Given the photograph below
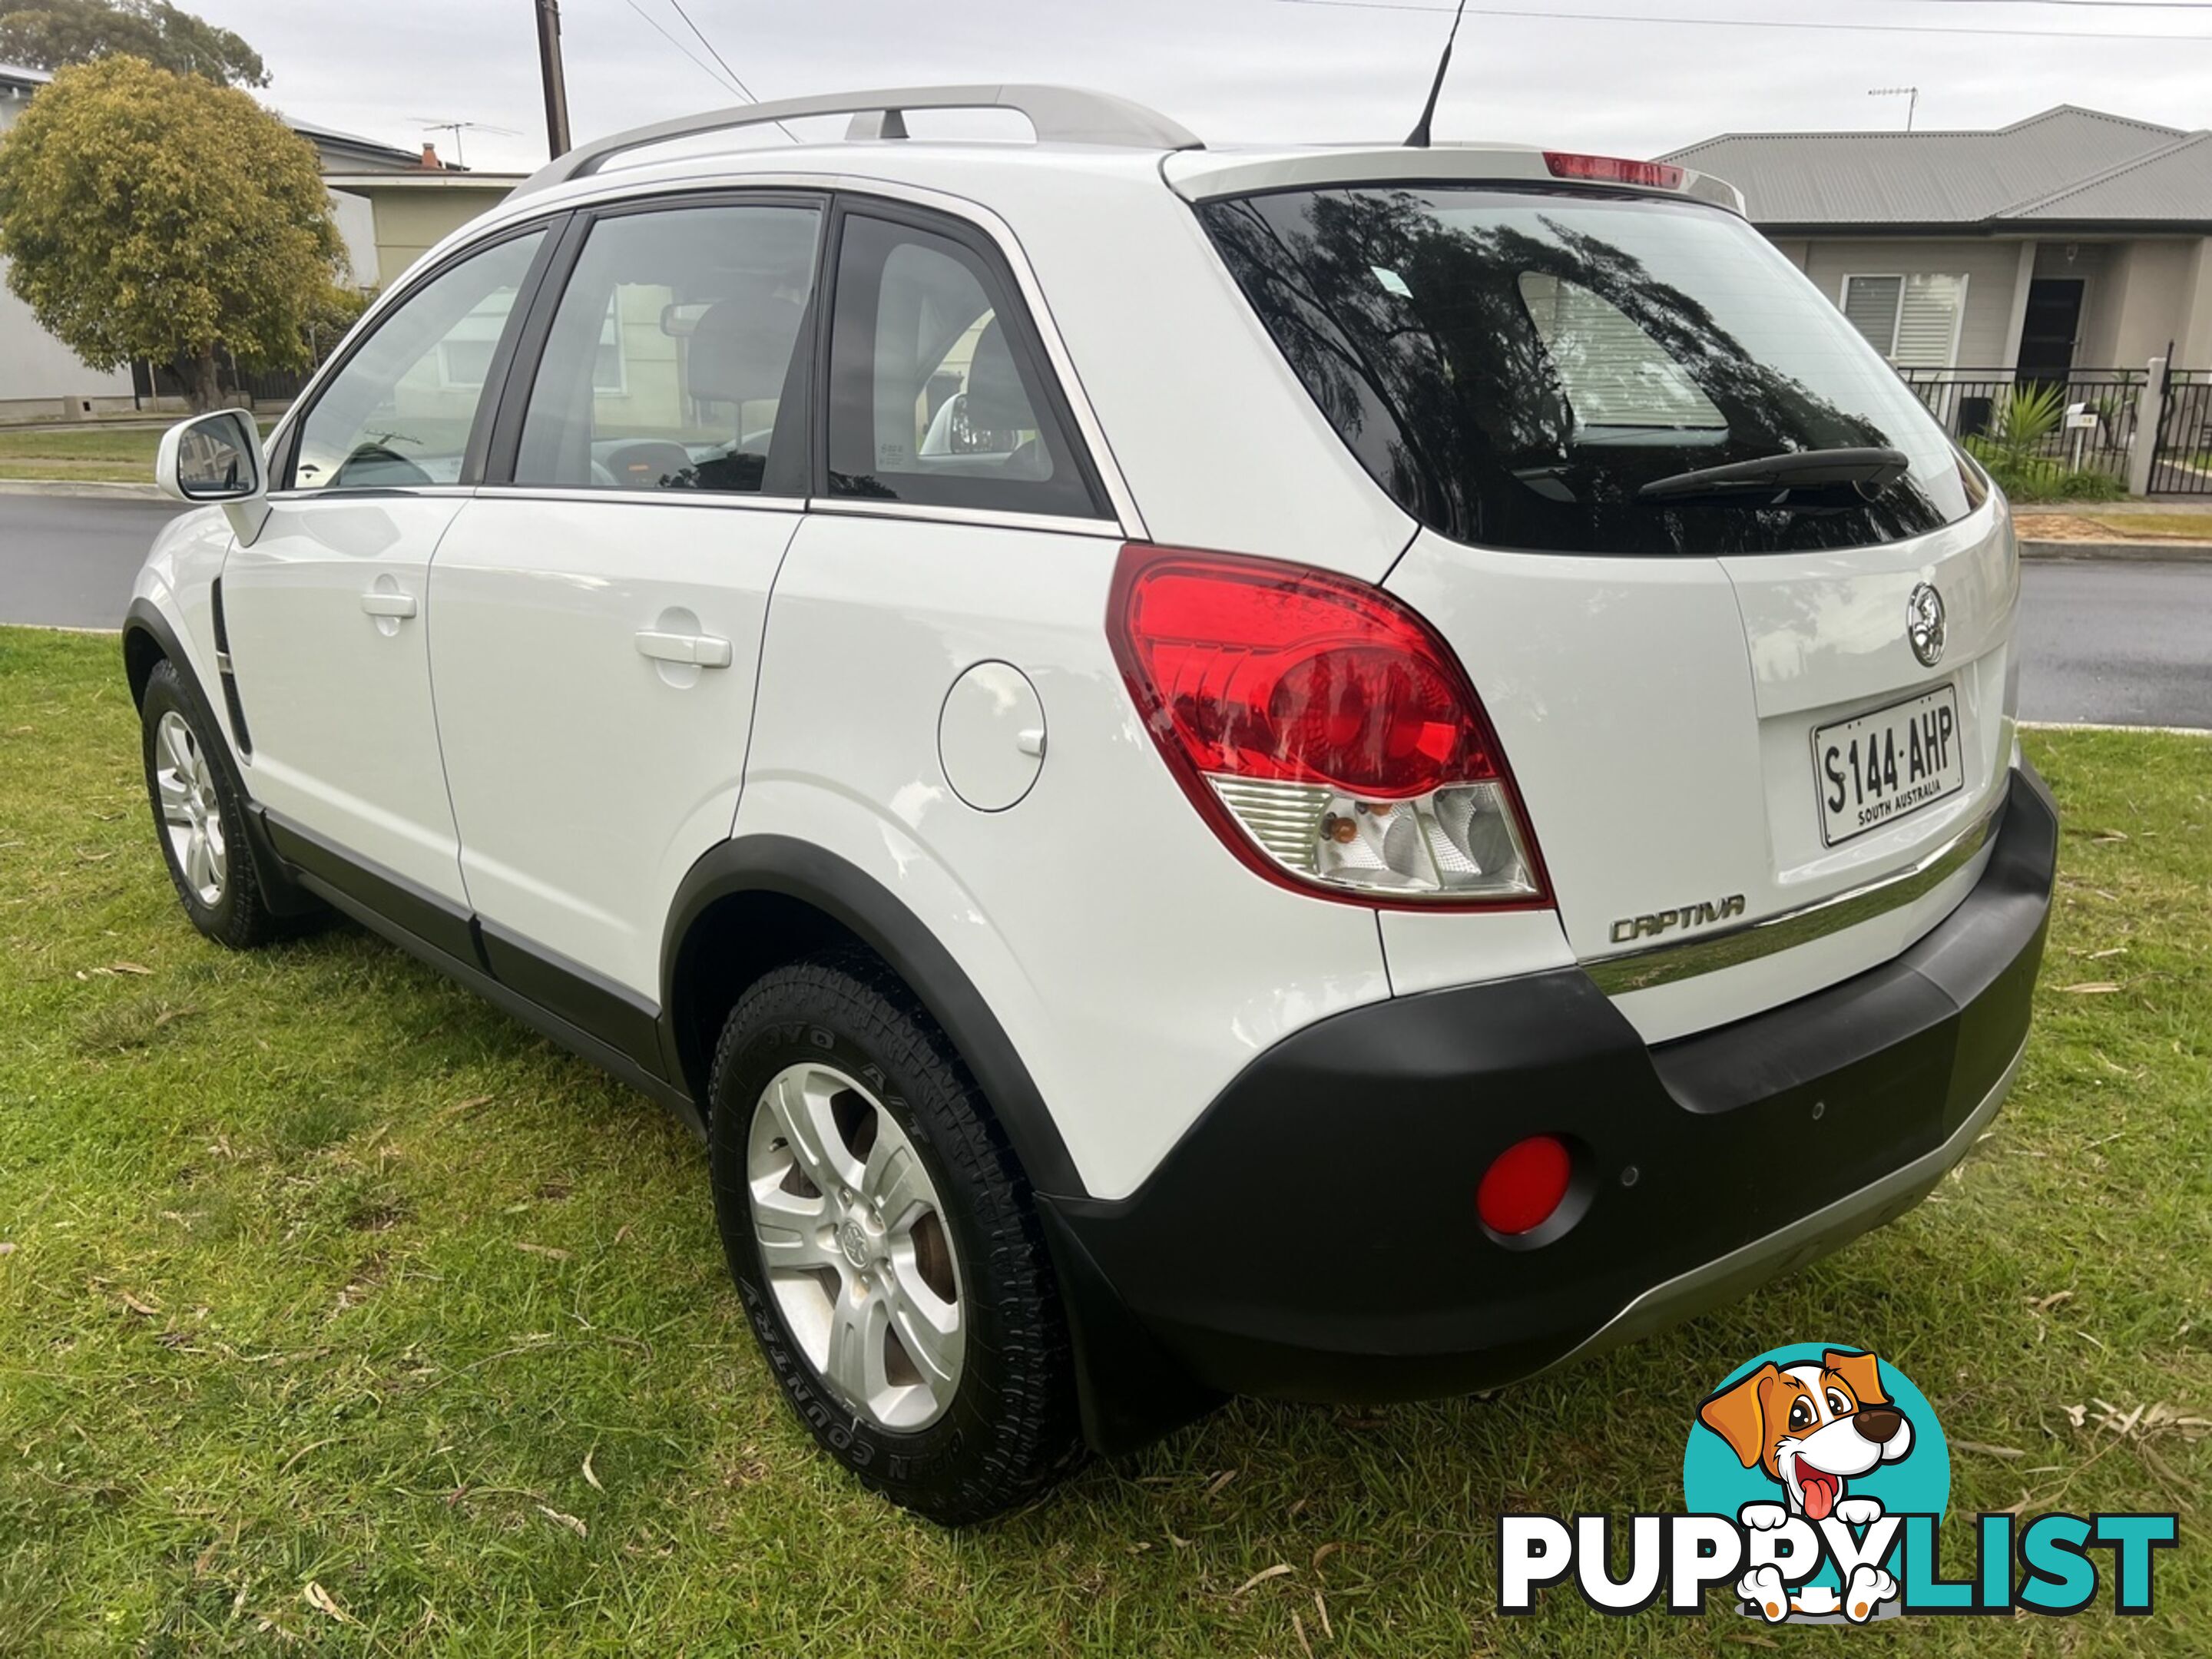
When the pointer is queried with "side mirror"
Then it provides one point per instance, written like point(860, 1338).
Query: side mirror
point(215, 460)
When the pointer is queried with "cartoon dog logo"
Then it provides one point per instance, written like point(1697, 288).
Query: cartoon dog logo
point(1812, 1429)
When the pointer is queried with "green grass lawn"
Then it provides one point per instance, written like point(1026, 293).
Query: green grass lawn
point(90, 452)
point(338, 1309)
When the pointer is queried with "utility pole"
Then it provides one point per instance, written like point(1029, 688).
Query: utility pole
point(556, 86)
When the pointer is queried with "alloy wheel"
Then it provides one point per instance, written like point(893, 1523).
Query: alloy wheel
point(853, 1238)
point(192, 814)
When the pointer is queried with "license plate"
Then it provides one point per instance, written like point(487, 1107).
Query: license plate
point(1874, 768)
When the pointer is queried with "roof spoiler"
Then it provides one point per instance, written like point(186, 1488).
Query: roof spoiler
point(1225, 172)
point(1060, 115)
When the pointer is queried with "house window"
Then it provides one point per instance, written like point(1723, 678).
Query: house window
point(464, 355)
point(610, 363)
point(1614, 375)
point(1912, 320)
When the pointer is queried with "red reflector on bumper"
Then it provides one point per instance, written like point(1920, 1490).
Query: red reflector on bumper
point(1524, 1185)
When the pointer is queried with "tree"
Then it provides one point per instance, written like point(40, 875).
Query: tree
point(156, 216)
point(49, 34)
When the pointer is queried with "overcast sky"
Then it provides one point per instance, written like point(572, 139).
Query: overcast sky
point(1302, 70)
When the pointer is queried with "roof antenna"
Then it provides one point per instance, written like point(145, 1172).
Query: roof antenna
point(1418, 139)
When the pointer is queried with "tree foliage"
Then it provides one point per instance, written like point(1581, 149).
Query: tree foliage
point(152, 215)
point(50, 34)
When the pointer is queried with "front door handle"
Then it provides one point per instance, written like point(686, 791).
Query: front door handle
point(701, 650)
point(377, 603)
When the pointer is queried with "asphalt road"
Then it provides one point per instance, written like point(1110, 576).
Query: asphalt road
point(68, 561)
point(2106, 642)
point(2115, 643)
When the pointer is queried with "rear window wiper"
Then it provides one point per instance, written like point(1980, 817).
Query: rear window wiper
point(1866, 472)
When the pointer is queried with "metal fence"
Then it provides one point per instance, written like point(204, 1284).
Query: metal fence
point(261, 387)
point(1971, 403)
point(2181, 461)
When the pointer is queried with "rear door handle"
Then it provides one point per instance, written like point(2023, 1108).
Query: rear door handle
point(702, 650)
point(378, 604)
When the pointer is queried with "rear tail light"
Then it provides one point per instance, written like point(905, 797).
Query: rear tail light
point(1614, 170)
point(1323, 729)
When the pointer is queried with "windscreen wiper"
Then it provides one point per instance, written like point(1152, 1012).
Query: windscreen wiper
point(1866, 472)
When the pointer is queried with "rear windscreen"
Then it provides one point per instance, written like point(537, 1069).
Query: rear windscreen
point(1514, 366)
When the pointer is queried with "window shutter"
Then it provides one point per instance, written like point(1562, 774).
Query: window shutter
point(1928, 321)
point(1871, 305)
point(1613, 372)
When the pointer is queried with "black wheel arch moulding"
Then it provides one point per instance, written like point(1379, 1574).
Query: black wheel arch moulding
point(1129, 1391)
point(144, 621)
point(863, 907)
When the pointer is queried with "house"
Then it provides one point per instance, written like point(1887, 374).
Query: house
point(2071, 243)
point(390, 204)
point(390, 218)
point(394, 205)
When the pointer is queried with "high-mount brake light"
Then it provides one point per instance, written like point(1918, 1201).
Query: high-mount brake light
point(1612, 170)
point(1323, 729)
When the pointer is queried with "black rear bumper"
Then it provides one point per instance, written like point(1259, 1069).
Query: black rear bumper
point(1314, 1236)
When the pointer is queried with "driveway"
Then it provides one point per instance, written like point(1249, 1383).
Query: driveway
point(2113, 642)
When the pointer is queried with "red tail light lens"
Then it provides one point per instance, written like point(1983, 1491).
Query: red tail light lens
point(1614, 170)
point(1322, 726)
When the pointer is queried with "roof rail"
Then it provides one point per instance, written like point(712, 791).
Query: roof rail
point(1065, 115)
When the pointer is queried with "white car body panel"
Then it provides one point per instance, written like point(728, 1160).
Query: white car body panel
point(1658, 715)
point(338, 699)
point(1430, 950)
point(1133, 962)
point(179, 579)
point(586, 777)
point(1575, 659)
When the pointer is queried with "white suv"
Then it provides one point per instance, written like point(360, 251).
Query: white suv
point(1328, 773)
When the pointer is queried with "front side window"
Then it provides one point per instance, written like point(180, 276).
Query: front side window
point(674, 360)
point(934, 398)
point(1518, 368)
point(398, 412)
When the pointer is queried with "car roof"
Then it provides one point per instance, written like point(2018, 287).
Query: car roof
point(1077, 131)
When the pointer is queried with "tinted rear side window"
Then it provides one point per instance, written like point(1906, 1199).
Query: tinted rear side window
point(1513, 367)
point(935, 396)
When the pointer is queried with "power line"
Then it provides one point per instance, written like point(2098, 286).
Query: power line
point(2087, 5)
point(1739, 22)
point(705, 68)
point(746, 90)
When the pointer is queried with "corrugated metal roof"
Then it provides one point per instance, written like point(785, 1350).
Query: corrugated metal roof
point(2172, 183)
point(1962, 178)
point(21, 76)
point(328, 138)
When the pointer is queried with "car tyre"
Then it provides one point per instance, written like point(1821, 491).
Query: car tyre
point(199, 816)
point(978, 1415)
